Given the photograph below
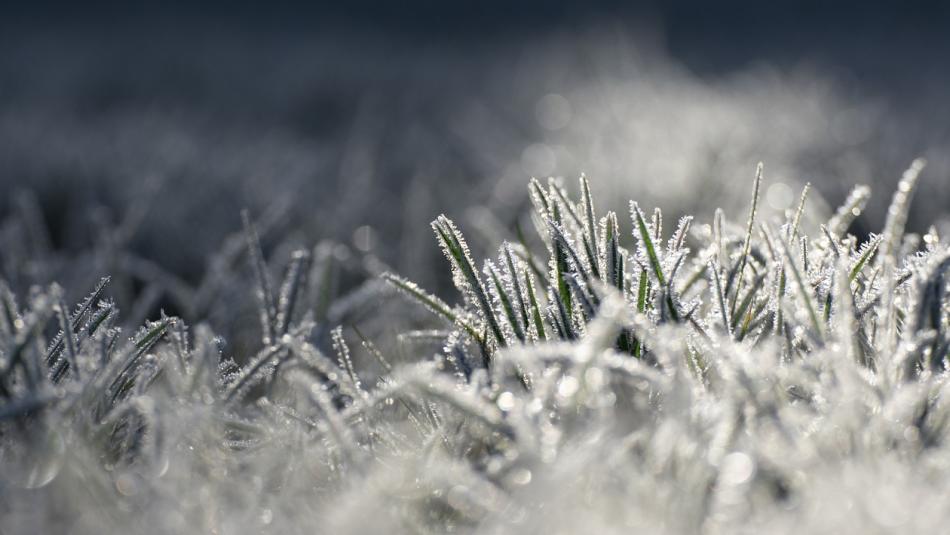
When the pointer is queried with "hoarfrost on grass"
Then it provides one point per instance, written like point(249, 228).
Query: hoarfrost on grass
point(760, 376)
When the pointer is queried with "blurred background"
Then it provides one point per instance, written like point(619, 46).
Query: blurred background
point(132, 134)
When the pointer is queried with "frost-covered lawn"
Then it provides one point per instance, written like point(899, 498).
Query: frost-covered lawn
point(604, 373)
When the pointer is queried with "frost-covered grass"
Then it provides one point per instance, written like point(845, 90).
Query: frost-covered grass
point(606, 374)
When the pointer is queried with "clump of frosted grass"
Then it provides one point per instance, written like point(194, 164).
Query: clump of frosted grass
point(721, 378)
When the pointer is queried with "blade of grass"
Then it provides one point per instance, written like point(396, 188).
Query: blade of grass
point(802, 288)
point(647, 242)
point(431, 302)
point(747, 242)
point(264, 294)
point(457, 251)
point(506, 305)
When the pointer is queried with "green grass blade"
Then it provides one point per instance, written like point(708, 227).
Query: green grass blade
point(591, 239)
point(457, 251)
point(506, 304)
point(747, 242)
point(797, 220)
point(647, 241)
point(867, 251)
point(514, 275)
point(535, 308)
point(431, 302)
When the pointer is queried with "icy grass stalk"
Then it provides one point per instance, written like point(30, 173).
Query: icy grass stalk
point(431, 302)
point(465, 277)
point(849, 210)
point(747, 242)
point(268, 314)
point(647, 242)
point(898, 211)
